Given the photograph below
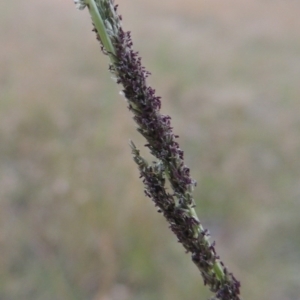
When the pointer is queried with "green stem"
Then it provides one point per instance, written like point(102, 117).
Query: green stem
point(217, 268)
point(100, 27)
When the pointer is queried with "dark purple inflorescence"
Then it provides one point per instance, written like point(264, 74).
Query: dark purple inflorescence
point(161, 141)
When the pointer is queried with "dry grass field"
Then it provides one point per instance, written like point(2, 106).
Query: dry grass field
point(74, 222)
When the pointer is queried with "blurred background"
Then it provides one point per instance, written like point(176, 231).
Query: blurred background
point(74, 222)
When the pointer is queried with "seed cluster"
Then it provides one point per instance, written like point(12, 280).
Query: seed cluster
point(177, 206)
